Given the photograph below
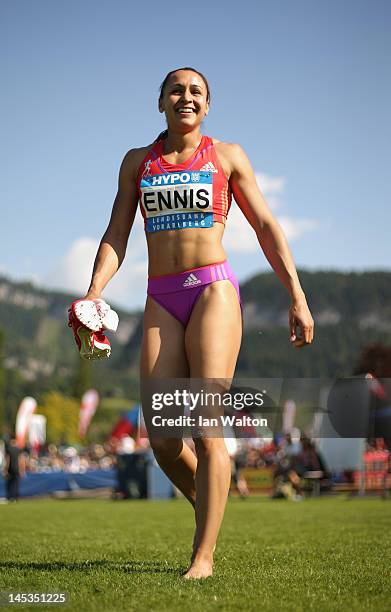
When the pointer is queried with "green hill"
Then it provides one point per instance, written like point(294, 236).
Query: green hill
point(350, 311)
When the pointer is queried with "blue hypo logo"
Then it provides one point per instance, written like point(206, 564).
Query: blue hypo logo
point(177, 200)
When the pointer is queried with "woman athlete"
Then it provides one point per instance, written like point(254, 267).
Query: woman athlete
point(192, 326)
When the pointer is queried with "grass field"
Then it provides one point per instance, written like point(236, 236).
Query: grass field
point(319, 554)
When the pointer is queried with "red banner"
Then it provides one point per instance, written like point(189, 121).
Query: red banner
point(23, 417)
point(89, 404)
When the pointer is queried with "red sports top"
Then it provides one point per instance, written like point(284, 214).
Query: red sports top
point(177, 196)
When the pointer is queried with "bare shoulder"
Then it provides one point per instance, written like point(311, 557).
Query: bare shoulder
point(132, 160)
point(230, 153)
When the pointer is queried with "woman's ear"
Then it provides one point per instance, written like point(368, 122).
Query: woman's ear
point(160, 107)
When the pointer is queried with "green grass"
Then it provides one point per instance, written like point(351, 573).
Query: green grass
point(320, 554)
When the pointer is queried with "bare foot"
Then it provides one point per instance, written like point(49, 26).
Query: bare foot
point(195, 547)
point(199, 568)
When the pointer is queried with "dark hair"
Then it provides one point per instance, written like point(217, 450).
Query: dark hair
point(164, 133)
point(375, 359)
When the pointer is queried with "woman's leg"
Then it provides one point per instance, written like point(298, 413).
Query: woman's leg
point(163, 356)
point(213, 338)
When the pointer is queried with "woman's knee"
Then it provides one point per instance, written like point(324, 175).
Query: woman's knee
point(166, 448)
point(208, 446)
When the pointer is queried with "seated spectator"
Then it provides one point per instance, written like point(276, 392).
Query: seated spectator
point(286, 480)
point(292, 448)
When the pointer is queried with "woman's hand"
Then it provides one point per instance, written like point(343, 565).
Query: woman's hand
point(300, 316)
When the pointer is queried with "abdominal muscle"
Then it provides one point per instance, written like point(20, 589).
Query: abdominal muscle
point(174, 251)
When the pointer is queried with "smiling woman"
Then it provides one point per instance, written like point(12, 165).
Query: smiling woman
point(177, 88)
point(184, 182)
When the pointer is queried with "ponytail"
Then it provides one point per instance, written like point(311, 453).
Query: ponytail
point(162, 136)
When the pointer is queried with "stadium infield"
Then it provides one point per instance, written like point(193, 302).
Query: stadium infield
point(319, 554)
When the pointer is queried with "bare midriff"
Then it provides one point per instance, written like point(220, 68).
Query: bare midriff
point(173, 251)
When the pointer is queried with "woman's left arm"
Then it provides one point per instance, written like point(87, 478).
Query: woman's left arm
point(271, 239)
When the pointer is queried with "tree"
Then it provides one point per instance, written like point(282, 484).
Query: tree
point(62, 414)
point(2, 383)
point(82, 380)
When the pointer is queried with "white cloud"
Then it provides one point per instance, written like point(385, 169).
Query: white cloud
point(272, 188)
point(128, 286)
point(274, 202)
point(295, 228)
point(73, 272)
point(270, 184)
point(240, 237)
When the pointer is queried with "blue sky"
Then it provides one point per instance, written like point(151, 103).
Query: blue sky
point(303, 86)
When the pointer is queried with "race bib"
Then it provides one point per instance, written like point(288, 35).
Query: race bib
point(177, 200)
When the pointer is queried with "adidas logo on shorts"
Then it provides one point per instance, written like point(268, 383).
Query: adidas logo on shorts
point(191, 280)
point(209, 167)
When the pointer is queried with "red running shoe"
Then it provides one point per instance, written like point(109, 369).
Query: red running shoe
point(85, 322)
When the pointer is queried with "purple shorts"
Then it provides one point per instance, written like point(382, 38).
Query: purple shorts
point(178, 293)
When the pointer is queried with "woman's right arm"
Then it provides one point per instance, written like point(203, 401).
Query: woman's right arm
point(112, 247)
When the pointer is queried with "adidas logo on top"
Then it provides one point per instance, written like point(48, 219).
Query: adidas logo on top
point(209, 167)
point(191, 280)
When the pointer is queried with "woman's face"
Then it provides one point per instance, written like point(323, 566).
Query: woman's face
point(184, 101)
